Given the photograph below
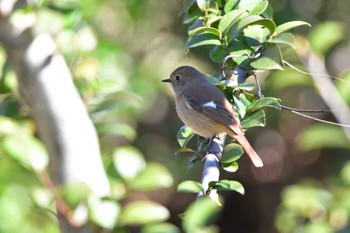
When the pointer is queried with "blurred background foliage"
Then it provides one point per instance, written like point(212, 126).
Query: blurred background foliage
point(118, 51)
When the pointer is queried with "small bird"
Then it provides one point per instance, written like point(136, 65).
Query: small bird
point(204, 108)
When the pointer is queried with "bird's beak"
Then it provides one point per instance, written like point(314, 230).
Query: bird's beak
point(166, 80)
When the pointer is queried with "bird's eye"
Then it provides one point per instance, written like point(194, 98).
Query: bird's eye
point(177, 77)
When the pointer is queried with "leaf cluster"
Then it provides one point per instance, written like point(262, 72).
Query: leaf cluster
point(244, 29)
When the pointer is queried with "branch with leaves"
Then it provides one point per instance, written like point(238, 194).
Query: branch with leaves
point(245, 40)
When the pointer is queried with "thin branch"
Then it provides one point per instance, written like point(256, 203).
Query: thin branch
point(307, 110)
point(316, 74)
point(327, 90)
point(321, 120)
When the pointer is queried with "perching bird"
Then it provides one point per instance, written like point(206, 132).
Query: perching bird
point(204, 108)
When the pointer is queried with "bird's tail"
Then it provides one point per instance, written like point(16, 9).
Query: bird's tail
point(248, 149)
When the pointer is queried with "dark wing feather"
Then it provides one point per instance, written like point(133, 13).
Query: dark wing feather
point(198, 97)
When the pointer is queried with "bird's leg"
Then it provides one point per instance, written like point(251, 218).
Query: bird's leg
point(209, 144)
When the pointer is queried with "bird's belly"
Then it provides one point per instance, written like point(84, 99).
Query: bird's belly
point(198, 122)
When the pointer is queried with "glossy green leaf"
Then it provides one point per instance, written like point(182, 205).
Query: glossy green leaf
point(184, 135)
point(160, 228)
point(270, 102)
point(128, 162)
point(143, 212)
point(270, 59)
point(227, 185)
point(104, 213)
point(218, 53)
point(254, 119)
point(228, 20)
point(199, 214)
point(256, 20)
point(255, 35)
point(154, 176)
point(241, 103)
point(290, 25)
point(268, 13)
point(200, 30)
point(231, 153)
point(190, 186)
point(320, 136)
point(230, 4)
point(284, 39)
point(206, 38)
point(239, 47)
point(184, 150)
point(203, 4)
point(230, 167)
point(326, 35)
point(254, 7)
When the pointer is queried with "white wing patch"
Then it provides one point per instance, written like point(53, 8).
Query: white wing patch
point(210, 104)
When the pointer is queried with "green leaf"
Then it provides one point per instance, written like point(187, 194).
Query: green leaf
point(268, 13)
point(183, 150)
point(320, 136)
point(241, 103)
point(290, 25)
point(270, 59)
point(326, 35)
point(199, 214)
point(104, 213)
point(232, 152)
point(117, 129)
point(192, 14)
point(254, 7)
point(284, 39)
point(270, 102)
point(193, 161)
point(184, 135)
point(206, 38)
point(254, 119)
point(246, 86)
point(190, 186)
point(160, 228)
point(227, 185)
point(218, 53)
point(230, 4)
point(154, 176)
point(228, 20)
point(230, 167)
point(27, 150)
point(187, 4)
point(252, 20)
point(255, 35)
point(203, 4)
point(128, 162)
point(143, 212)
point(200, 30)
point(75, 193)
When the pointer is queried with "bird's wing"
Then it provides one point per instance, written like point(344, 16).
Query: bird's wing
point(212, 102)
